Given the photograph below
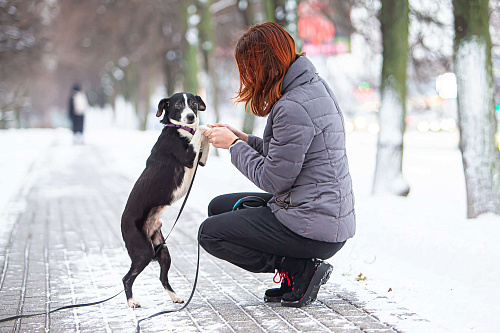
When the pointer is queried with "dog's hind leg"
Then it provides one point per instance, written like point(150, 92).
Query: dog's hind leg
point(164, 259)
point(135, 269)
point(141, 254)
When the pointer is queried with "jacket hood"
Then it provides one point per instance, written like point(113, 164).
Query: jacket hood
point(301, 71)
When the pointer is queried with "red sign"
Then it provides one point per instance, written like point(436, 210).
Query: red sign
point(317, 31)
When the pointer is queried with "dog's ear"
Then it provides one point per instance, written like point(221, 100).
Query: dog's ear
point(201, 104)
point(161, 106)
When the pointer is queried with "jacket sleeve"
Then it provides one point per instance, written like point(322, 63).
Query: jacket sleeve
point(256, 143)
point(293, 132)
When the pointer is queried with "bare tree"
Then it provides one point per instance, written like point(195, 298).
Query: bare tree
point(22, 37)
point(388, 178)
point(208, 44)
point(477, 123)
point(430, 39)
point(190, 19)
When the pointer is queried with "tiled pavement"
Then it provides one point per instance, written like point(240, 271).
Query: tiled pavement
point(62, 245)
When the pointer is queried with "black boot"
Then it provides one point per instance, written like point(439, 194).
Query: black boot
point(276, 294)
point(308, 276)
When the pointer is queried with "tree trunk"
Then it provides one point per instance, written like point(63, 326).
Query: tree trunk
point(248, 18)
point(269, 7)
point(3, 120)
point(208, 43)
point(18, 117)
point(150, 83)
point(394, 17)
point(248, 121)
point(190, 65)
point(131, 92)
point(477, 123)
point(276, 11)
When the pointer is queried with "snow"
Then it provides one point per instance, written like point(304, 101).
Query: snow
point(436, 263)
point(18, 150)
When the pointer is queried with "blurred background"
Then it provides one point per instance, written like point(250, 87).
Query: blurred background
point(418, 82)
point(128, 54)
point(392, 65)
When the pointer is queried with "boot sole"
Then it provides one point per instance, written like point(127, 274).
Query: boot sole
point(319, 278)
point(269, 299)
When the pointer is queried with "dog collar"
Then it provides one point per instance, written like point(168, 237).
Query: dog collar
point(189, 129)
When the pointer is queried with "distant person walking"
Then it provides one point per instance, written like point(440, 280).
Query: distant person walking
point(78, 105)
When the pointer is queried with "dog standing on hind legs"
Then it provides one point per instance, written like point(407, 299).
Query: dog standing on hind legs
point(166, 178)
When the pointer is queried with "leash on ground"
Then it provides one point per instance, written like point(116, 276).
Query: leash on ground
point(109, 298)
point(58, 309)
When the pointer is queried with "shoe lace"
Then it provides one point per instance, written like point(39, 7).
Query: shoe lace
point(282, 274)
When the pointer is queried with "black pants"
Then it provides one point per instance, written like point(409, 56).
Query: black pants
point(253, 238)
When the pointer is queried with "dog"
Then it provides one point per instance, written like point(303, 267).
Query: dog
point(166, 178)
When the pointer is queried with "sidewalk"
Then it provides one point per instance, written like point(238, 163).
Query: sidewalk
point(65, 247)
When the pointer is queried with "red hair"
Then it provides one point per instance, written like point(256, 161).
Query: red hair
point(263, 54)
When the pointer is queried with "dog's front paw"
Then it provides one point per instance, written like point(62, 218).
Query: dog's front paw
point(203, 128)
point(203, 159)
point(133, 303)
point(205, 145)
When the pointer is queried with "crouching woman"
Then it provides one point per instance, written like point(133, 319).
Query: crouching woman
point(300, 163)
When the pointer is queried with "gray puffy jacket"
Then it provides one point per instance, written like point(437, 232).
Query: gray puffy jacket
point(302, 160)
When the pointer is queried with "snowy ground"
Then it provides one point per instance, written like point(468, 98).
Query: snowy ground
point(18, 150)
point(434, 261)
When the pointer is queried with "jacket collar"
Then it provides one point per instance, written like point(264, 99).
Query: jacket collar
point(301, 71)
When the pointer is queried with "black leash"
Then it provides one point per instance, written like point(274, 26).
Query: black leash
point(58, 309)
point(109, 298)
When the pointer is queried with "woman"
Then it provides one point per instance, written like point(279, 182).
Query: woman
point(300, 163)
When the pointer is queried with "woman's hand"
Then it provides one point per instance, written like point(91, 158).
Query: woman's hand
point(220, 136)
point(239, 134)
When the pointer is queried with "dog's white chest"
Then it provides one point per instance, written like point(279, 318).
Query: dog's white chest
point(186, 181)
point(196, 142)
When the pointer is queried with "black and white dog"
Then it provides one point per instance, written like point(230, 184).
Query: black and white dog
point(166, 178)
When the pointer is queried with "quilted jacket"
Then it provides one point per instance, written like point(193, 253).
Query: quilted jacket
point(302, 160)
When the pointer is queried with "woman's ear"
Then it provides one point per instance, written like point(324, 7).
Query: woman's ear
point(161, 106)
point(201, 104)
